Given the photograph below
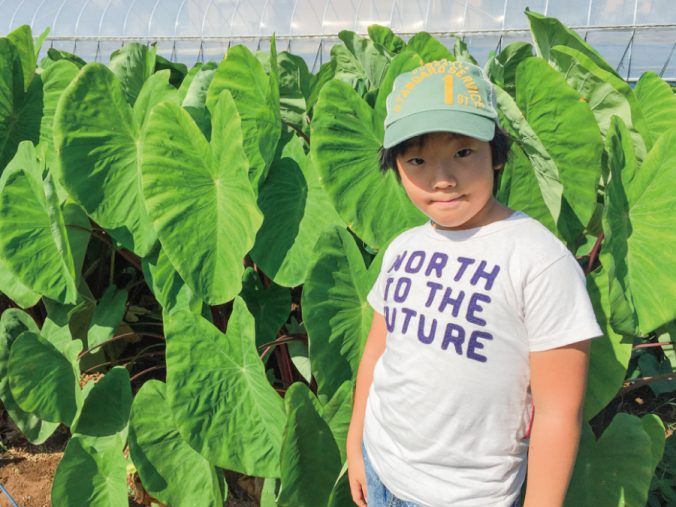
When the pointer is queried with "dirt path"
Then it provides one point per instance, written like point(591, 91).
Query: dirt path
point(27, 476)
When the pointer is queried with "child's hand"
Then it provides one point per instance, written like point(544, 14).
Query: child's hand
point(357, 477)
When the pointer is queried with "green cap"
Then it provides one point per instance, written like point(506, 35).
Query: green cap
point(441, 96)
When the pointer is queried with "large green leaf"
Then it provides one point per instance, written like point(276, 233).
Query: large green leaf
point(617, 229)
point(43, 380)
point(335, 311)
point(658, 103)
point(170, 470)
point(106, 409)
point(337, 413)
point(97, 141)
point(22, 38)
point(570, 137)
point(54, 80)
point(12, 323)
point(92, 473)
point(345, 148)
point(55, 55)
point(609, 356)
point(296, 212)
point(543, 168)
point(270, 305)
point(429, 48)
point(294, 89)
point(34, 243)
point(222, 402)
point(310, 461)
point(549, 32)
point(606, 94)
point(243, 75)
point(616, 469)
point(502, 68)
point(199, 197)
point(20, 110)
point(133, 64)
point(638, 224)
point(359, 61)
point(519, 188)
point(384, 36)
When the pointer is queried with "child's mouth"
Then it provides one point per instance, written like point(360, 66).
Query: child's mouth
point(446, 202)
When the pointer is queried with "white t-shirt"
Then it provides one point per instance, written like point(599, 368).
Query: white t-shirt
point(449, 410)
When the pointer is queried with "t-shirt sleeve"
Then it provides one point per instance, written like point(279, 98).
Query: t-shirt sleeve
point(557, 308)
point(376, 296)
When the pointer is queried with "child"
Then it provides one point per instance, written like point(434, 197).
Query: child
point(477, 356)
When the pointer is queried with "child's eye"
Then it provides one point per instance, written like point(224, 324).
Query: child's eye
point(465, 152)
point(415, 161)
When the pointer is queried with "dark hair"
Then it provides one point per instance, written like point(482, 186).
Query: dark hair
point(500, 145)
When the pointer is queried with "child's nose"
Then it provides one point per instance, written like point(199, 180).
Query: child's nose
point(444, 177)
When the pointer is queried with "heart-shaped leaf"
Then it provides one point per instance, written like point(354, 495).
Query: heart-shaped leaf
point(106, 409)
point(12, 323)
point(296, 212)
point(92, 472)
point(171, 471)
point(345, 148)
point(243, 75)
point(199, 197)
point(218, 392)
point(616, 469)
point(34, 243)
point(43, 380)
point(97, 141)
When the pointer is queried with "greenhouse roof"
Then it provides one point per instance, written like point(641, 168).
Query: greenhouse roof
point(635, 36)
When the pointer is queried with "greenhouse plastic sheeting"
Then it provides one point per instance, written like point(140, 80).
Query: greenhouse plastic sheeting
point(634, 35)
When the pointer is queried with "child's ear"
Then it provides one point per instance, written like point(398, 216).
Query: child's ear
point(499, 167)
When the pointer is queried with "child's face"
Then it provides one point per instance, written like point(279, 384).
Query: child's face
point(450, 179)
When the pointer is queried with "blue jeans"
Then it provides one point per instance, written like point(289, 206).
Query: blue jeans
point(379, 495)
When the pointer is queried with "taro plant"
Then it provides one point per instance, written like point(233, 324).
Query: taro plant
point(185, 254)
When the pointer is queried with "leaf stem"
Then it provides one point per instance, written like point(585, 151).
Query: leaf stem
point(147, 370)
point(118, 337)
point(644, 381)
point(594, 253)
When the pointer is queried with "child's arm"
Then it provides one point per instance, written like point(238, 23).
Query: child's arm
point(558, 384)
point(373, 349)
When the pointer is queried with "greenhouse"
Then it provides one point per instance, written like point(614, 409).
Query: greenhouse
point(634, 36)
point(327, 253)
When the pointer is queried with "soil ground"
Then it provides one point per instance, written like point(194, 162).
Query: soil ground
point(27, 472)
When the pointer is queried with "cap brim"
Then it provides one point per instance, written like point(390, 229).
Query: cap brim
point(424, 122)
